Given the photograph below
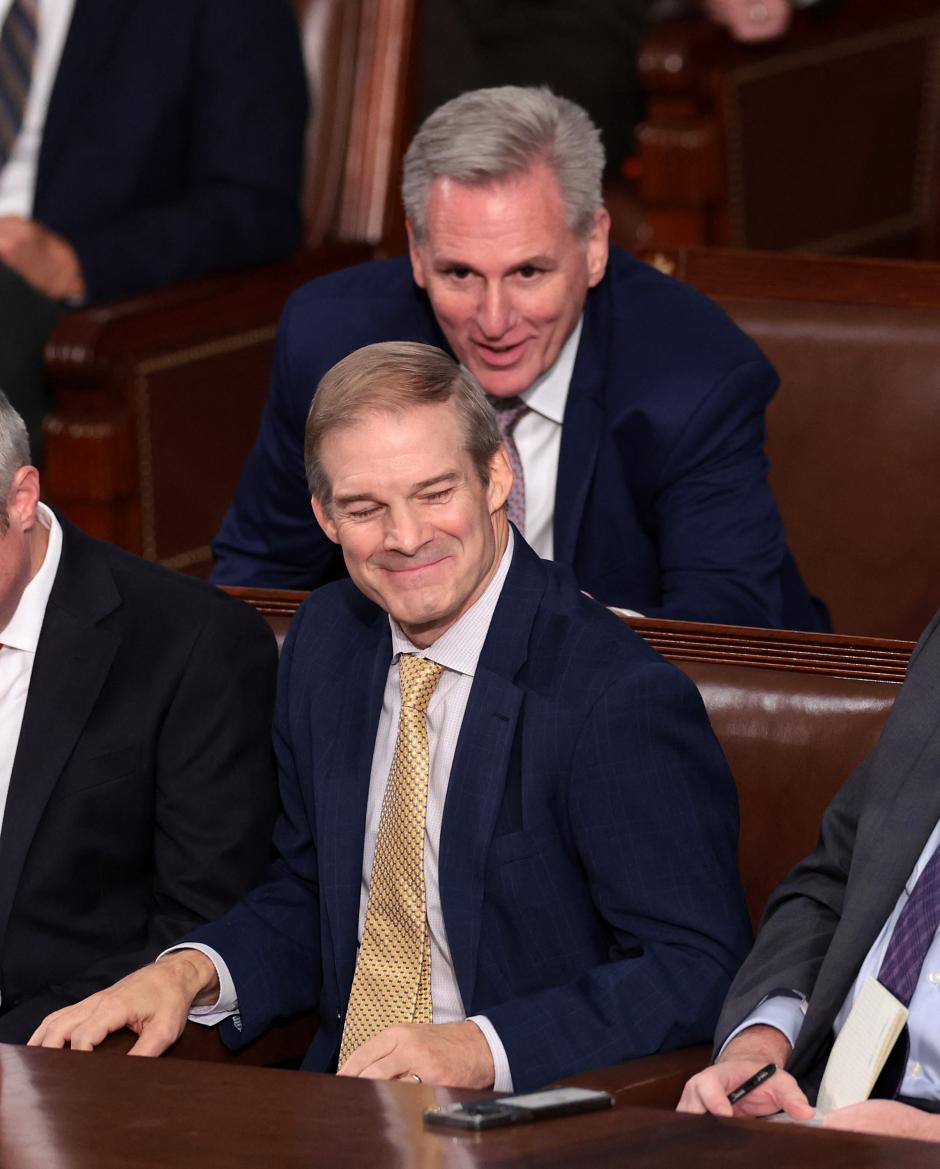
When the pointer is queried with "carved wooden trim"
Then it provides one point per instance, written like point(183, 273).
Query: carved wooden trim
point(836, 655)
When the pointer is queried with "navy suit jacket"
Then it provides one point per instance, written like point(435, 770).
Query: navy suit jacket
point(662, 502)
point(143, 790)
point(587, 858)
point(173, 140)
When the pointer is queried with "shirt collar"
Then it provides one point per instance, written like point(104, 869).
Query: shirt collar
point(23, 628)
point(459, 648)
point(548, 394)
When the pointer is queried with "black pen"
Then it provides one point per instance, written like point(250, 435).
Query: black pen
point(751, 1083)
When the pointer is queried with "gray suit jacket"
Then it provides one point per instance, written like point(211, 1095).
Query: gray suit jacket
point(823, 919)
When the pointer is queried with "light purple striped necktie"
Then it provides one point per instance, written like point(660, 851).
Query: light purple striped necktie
point(913, 934)
point(17, 52)
point(508, 413)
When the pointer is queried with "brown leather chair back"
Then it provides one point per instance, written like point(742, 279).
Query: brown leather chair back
point(854, 448)
point(854, 431)
point(791, 740)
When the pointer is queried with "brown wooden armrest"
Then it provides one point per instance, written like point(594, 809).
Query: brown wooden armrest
point(158, 400)
point(654, 1082)
point(284, 1043)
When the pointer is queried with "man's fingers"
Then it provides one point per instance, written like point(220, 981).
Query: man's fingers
point(155, 1037)
point(363, 1057)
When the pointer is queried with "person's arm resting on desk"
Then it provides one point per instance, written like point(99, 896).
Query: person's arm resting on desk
point(153, 1002)
point(747, 1052)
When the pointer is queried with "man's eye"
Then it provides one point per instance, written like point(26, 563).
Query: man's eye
point(528, 271)
point(458, 272)
point(439, 496)
point(363, 513)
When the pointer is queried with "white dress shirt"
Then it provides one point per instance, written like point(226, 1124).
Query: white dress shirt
point(18, 177)
point(922, 1075)
point(19, 641)
point(458, 650)
point(537, 435)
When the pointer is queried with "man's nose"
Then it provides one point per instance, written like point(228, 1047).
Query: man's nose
point(495, 313)
point(405, 530)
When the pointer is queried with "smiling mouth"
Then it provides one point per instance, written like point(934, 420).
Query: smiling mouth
point(500, 354)
point(407, 570)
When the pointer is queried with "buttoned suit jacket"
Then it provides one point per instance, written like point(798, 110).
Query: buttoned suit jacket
point(587, 857)
point(173, 139)
point(662, 501)
point(143, 790)
point(823, 919)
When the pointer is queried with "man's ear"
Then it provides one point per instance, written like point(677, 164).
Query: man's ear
point(417, 263)
point(500, 480)
point(598, 247)
point(325, 520)
point(23, 500)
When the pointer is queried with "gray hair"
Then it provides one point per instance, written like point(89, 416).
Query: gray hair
point(490, 134)
point(14, 453)
point(395, 376)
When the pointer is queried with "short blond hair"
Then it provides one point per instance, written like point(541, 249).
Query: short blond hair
point(395, 376)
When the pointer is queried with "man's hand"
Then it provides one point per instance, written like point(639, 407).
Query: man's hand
point(746, 1054)
point(455, 1054)
point(45, 260)
point(750, 20)
point(888, 1117)
point(153, 1002)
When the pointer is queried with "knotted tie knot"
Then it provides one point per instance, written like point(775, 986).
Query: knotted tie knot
point(417, 678)
point(508, 412)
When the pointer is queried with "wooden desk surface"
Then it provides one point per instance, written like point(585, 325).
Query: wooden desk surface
point(64, 1110)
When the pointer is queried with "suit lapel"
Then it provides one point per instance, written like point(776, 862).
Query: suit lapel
point(73, 658)
point(355, 708)
point(478, 774)
point(583, 426)
point(94, 25)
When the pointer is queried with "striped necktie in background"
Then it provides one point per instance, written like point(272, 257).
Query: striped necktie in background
point(17, 52)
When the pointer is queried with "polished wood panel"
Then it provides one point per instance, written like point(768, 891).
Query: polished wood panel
point(824, 140)
point(78, 1110)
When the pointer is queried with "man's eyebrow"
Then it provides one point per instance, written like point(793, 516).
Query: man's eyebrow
point(446, 477)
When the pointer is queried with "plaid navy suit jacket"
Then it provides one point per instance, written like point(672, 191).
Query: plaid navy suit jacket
point(587, 857)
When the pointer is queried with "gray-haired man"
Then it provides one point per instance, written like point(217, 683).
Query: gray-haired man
point(633, 408)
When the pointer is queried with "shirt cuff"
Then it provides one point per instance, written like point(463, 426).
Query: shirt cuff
point(502, 1081)
point(226, 1004)
point(782, 1011)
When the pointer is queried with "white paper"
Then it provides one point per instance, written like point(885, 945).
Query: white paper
point(861, 1048)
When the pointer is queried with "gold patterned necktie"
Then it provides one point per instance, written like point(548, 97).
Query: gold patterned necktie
point(17, 52)
point(392, 983)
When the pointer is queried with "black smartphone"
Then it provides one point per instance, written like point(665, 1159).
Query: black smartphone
point(518, 1109)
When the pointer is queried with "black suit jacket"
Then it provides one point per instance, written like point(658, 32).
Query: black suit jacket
point(824, 918)
point(143, 793)
point(174, 138)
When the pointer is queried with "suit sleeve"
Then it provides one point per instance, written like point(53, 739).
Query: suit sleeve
point(238, 203)
point(805, 911)
point(270, 940)
point(653, 812)
point(269, 537)
point(721, 542)
point(215, 801)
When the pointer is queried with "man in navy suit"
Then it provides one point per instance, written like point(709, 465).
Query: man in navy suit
point(161, 139)
point(641, 438)
point(575, 876)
